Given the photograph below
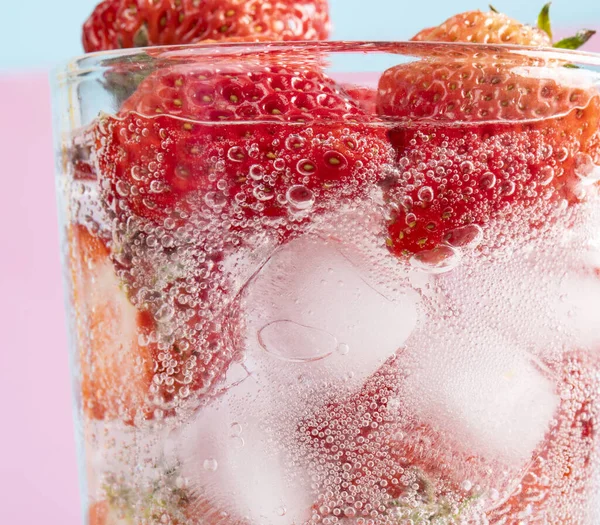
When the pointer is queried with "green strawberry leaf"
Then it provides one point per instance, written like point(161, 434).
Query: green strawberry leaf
point(493, 9)
point(575, 42)
point(543, 21)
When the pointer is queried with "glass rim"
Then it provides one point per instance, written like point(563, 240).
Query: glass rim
point(90, 62)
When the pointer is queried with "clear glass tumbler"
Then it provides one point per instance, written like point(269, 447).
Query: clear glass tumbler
point(353, 283)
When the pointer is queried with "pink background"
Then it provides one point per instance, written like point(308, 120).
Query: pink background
point(38, 474)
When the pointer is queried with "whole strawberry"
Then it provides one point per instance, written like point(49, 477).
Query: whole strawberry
point(485, 138)
point(116, 24)
point(522, 143)
point(493, 27)
point(253, 141)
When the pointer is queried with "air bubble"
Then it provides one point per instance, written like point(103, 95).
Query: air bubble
point(236, 154)
point(210, 464)
point(262, 195)
point(122, 188)
point(157, 186)
point(256, 172)
point(300, 197)
point(295, 142)
point(306, 167)
point(546, 175)
point(237, 442)
point(343, 349)
point(467, 166)
point(585, 169)
point(508, 188)
point(441, 259)
point(487, 181)
point(426, 194)
point(469, 236)
point(165, 313)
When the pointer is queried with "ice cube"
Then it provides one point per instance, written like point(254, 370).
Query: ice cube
point(312, 306)
point(237, 452)
point(487, 396)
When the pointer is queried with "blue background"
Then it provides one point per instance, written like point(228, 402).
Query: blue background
point(40, 33)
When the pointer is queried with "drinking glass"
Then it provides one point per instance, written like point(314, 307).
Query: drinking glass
point(336, 282)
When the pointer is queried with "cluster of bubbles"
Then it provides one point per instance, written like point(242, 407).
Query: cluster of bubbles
point(273, 175)
point(369, 460)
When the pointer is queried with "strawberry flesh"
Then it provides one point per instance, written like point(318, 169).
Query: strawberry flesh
point(116, 371)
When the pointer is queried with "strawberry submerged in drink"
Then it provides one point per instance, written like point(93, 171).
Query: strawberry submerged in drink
point(303, 297)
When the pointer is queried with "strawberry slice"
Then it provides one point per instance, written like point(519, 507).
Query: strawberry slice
point(493, 27)
point(308, 144)
point(116, 24)
point(524, 143)
point(116, 371)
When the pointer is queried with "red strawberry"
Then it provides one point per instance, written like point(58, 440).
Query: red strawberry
point(496, 28)
point(365, 97)
point(181, 159)
point(184, 142)
point(117, 309)
point(485, 28)
point(523, 142)
point(116, 371)
point(116, 24)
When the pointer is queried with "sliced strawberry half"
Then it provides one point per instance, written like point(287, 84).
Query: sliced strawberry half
point(484, 140)
point(116, 24)
point(116, 371)
point(129, 368)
